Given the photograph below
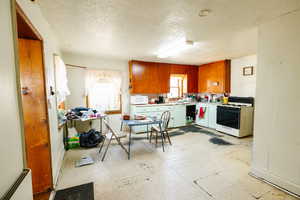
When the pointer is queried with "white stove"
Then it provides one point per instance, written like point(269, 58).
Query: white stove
point(236, 117)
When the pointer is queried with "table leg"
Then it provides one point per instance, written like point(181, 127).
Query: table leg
point(147, 132)
point(129, 143)
point(162, 137)
point(66, 138)
point(100, 125)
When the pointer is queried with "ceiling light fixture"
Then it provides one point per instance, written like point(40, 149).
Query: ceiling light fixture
point(175, 48)
point(204, 12)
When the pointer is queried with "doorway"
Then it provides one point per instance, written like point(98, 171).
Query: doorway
point(34, 104)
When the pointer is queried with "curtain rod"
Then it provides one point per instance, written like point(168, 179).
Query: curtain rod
point(76, 66)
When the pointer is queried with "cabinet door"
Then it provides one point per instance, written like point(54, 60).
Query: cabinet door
point(192, 76)
point(214, 77)
point(179, 115)
point(144, 77)
point(212, 122)
point(203, 78)
point(164, 78)
point(202, 121)
point(149, 77)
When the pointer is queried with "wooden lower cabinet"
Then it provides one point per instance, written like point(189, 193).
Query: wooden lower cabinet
point(214, 77)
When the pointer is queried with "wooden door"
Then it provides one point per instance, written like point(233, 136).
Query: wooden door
point(36, 130)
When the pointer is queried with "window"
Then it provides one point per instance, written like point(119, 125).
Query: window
point(104, 90)
point(178, 85)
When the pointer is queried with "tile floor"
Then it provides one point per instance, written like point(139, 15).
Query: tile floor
point(192, 168)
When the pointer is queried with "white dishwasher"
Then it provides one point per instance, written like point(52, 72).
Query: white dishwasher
point(202, 114)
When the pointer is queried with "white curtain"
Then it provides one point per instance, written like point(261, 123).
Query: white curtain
point(103, 88)
point(61, 81)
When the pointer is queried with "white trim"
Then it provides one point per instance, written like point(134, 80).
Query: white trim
point(59, 167)
point(277, 182)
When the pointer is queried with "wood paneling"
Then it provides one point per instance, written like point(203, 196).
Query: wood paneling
point(192, 75)
point(149, 77)
point(164, 77)
point(34, 105)
point(214, 77)
point(154, 78)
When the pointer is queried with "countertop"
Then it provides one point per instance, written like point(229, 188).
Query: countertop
point(173, 104)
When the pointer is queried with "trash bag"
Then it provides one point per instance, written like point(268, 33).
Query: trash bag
point(90, 139)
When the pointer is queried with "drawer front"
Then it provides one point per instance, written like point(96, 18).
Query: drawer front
point(143, 109)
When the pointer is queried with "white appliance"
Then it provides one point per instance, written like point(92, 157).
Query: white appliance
point(236, 117)
point(138, 100)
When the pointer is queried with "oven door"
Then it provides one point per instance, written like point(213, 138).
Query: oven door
point(228, 116)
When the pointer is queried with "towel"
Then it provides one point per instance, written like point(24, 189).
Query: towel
point(202, 112)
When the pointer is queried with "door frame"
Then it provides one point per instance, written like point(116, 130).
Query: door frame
point(16, 9)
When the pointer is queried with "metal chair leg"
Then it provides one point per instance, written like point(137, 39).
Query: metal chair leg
point(163, 140)
point(156, 137)
point(150, 136)
point(102, 144)
point(106, 149)
point(121, 126)
point(167, 133)
point(162, 137)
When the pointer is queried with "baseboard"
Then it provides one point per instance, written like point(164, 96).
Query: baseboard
point(277, 182)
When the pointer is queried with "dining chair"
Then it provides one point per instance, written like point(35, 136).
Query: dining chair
point(155, 130)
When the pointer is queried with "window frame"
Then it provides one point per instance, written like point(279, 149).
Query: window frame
point(180, 84)
point(108, 112)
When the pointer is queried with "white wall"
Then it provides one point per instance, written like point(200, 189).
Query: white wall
point(11, 153)
point(76, 85)
point(243, 86)
point(33, 12)
point(276, 151)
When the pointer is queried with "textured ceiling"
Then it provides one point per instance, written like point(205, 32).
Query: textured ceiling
point(137, 29)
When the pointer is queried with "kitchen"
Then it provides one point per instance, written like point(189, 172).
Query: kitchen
point(199, 99)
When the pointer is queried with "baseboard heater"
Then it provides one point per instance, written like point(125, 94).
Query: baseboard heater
point(21, 189)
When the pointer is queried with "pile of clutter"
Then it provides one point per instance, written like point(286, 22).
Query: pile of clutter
point(86, 139)
point(81, 112)
point(89, 139)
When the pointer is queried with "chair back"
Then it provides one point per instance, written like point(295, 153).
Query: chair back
point(165, 118)
point(109, 129)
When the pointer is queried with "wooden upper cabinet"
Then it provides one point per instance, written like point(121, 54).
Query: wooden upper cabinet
point(154, 78)
point(192, 83)
point(163, 78)
point(148, 78)
point(192, 75)
point(214, 77)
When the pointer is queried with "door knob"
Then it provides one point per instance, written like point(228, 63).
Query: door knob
point(25, 90)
